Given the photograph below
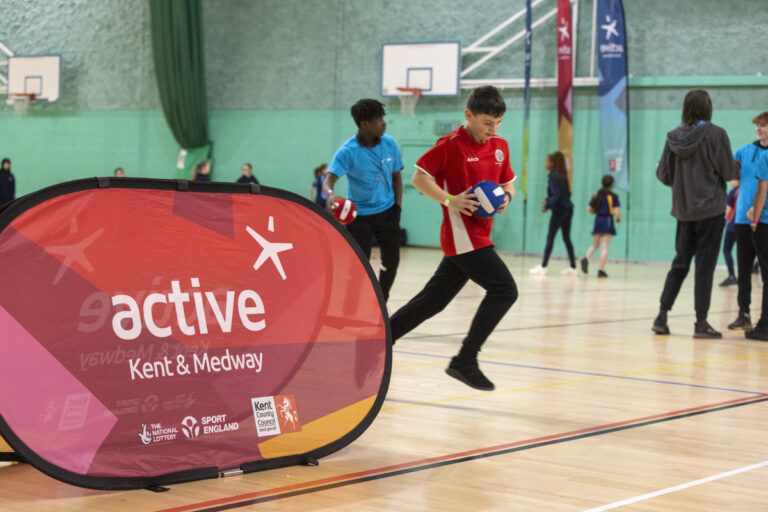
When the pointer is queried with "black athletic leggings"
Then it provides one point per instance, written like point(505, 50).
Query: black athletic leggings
point(559, 220)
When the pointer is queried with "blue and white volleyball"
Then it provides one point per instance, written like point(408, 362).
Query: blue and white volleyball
point(490, 196)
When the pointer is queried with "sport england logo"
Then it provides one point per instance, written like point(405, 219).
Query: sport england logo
point(190, 427)
point(214, 424)
point(499, 155)
point(275, 415)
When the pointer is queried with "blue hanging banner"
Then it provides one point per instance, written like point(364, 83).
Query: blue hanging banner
point(614, 94)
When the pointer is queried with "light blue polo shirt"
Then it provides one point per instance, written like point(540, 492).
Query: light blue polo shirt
point(762, 174)
point(369, 173)
point(750, 157)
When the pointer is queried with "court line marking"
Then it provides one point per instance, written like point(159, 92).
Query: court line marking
point(596, 374)
point(676, 488)
point(575, 324)
point(277, 493)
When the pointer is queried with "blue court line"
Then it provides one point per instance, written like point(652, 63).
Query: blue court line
point(592, 374)
point(574, 324)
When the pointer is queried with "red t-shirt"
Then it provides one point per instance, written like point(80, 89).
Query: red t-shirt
point(457, 162)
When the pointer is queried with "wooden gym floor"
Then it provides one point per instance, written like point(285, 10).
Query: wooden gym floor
point(591, 412)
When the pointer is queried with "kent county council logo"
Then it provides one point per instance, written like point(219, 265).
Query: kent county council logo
point(499, 155)
point(275, 415)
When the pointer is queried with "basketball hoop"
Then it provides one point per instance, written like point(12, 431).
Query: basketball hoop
point(409, 96)
point(21, 102)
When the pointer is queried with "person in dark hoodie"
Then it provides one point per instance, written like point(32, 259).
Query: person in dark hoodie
point(7, 183)
point(749, 156)
point(696, 163)
point(558, 200)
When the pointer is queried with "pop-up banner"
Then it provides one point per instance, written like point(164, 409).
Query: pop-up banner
point(160, 331)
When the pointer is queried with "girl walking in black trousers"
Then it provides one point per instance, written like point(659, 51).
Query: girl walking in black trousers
point(559, 201)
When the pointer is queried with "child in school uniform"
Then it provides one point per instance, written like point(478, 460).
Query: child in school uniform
point(605, 205)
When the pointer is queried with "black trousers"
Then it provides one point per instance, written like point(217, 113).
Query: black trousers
point(484, 267)
point(745, 258)
point(385, 226)
point(559, 220)
point(760, 240)
point(699, 238)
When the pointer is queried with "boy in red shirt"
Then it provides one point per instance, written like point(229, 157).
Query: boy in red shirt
point(446, 173)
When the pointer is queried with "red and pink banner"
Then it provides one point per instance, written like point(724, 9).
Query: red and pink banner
point(151, 335)
point(565, 84)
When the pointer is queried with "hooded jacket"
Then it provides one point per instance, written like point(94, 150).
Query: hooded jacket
point(696, 162)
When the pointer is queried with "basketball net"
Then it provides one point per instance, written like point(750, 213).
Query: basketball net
point(409, 96)
point(21, 102)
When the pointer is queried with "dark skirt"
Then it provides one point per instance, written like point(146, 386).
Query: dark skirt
point(604, 225)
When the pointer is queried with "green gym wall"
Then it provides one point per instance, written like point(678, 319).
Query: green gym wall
point(281, 75)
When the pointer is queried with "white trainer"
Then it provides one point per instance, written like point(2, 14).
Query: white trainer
point(569, 271)
point(538, 269)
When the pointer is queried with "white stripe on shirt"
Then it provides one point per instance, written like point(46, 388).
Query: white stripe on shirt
point(461, 240)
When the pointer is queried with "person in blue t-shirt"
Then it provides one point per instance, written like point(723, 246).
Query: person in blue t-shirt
point(758, 217)
point(730, 233)
point(749, 156)
point(371, 162)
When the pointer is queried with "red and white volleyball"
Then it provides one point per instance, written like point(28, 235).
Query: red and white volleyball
point(343, 210)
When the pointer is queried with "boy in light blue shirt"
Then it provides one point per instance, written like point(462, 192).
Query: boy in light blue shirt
point(371, 162)
point(749, 155)
point(758, 217)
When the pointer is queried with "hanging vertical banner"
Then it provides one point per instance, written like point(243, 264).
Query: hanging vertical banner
point(526, 100)
point(614, 101)
point(565, 84)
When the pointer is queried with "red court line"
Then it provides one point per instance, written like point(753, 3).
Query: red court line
point(442, 458)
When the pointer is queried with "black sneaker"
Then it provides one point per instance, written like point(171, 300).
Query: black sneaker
point(730, 281)
point(469, 373)
point(743, 323)
point(660, 326)
point(585, 265)
point(601, 273)
point(759, 332)
point(702, 329)
point(756, 334)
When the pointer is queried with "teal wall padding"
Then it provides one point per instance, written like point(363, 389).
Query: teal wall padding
point(281, 75)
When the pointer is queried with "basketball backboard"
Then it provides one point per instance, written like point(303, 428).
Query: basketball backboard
point(40, 76)
point(432, 67)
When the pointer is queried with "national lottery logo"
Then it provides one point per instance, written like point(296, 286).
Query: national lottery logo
point(145, 435)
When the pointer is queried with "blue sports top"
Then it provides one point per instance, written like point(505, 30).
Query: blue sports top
point(749, 155)
point(369, 173)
